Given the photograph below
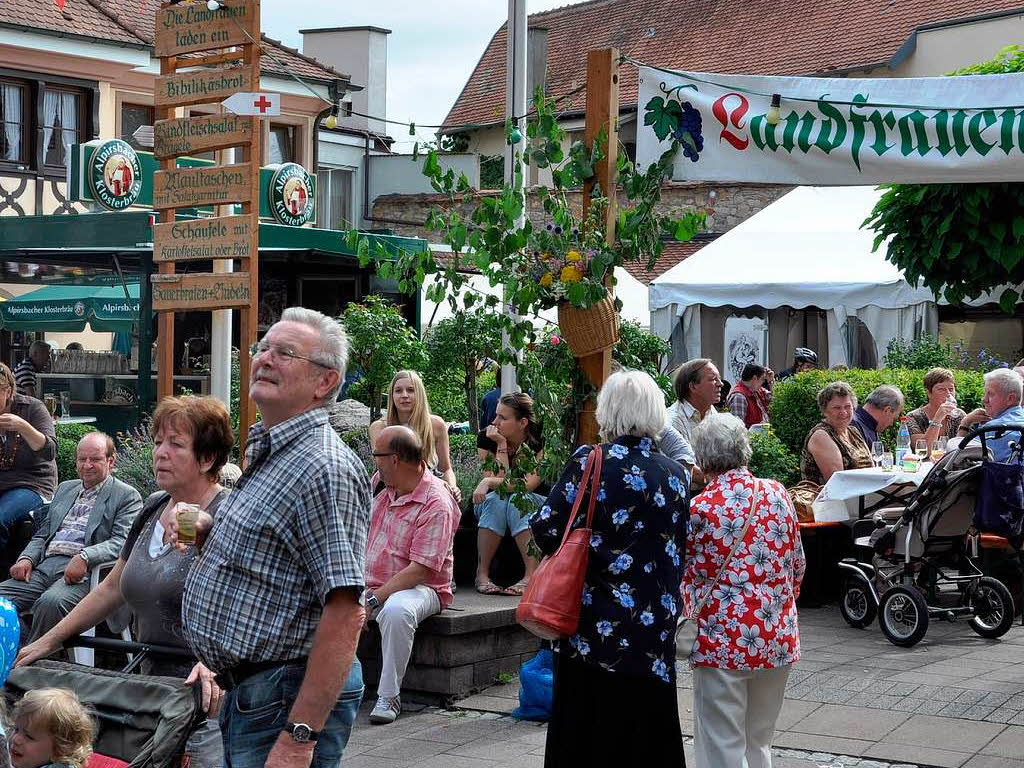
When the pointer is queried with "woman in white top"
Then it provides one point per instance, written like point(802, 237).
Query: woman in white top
point(408, 406)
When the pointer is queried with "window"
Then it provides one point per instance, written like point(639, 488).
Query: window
point(281, 147)
point(13, 117)
point(62, 121)
point(334, 198)
point(133, 117)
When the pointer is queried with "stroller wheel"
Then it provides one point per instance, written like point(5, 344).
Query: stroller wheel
point(993, 608)
point(903, 616)
point(856, 604)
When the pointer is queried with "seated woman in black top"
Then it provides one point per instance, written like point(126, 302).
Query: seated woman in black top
point(514, 431)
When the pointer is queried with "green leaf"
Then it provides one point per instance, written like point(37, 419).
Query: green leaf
point(1018, 227)
point(1008, 300)
point(663, 117)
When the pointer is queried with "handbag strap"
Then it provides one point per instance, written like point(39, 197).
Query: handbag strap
point(592, 477)
point(735, 545)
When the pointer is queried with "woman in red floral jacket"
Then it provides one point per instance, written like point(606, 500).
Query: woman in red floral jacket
point(747, 626)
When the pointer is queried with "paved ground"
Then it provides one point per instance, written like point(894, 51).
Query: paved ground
point(853, 700)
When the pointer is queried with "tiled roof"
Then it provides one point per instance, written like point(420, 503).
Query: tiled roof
point(133, 22)
point(673, 254)
point(796, 37)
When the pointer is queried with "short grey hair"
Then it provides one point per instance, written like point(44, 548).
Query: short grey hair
point(630, 403)
point(885, 396)
point(835, 389)
point(1007, 380)
point(721, 444)
point(333, 342)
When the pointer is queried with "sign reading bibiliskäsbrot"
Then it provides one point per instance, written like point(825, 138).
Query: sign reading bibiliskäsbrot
point(191, 135)
point(842, 131)
point(201, 85)
point(187, 28)
point(183, 293)
point(198, 187)
point(224, 237)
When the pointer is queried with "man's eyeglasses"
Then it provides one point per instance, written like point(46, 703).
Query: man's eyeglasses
point(381, 455)
point(281, 353)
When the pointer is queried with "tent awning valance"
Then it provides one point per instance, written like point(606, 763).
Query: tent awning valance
point(68, 308)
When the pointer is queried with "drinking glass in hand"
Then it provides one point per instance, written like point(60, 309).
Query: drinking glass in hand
point(877, 449)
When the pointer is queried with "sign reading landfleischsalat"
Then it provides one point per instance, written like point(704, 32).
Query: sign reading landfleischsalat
point(186, 28)
point(114, 174)
point(191, 135)
point(833, 131)
point(223, 237)
point(291, 194)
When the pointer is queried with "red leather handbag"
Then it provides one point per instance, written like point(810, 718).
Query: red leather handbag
point(550, 606)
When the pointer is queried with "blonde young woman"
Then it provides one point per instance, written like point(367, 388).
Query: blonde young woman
point(408, 406)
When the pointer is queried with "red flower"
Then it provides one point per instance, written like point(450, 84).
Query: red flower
point(555, 340)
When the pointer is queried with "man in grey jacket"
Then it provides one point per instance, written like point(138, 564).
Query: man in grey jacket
point(86, 526)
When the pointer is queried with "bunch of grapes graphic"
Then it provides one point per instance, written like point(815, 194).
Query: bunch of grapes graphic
point(690, 123)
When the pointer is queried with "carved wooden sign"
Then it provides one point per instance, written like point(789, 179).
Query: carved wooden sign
point(202, 85)
point(182, 293)
point(199, 187)
point(225, 237)
point(186, 28)
point(191, 135)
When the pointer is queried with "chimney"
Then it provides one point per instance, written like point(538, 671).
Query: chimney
point(536, 60)
point(361, 53)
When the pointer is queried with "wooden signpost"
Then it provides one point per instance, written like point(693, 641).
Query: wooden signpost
point(228, 38)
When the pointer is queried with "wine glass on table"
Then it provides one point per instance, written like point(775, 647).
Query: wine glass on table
point(938, 449)
point(921, 449)
point(877, 449)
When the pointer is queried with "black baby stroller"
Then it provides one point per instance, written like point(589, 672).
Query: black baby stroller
point(918, 562)
point(143, 720)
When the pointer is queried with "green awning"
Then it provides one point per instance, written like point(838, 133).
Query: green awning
point(68, 308)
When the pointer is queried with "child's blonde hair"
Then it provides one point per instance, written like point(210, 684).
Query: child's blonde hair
point(65, 718)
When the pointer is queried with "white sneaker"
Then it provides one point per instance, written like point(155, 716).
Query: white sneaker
point(386, 710)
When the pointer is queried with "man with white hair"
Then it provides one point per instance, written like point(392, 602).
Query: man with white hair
point(1003, 389)
point(273, 602)
point(881, 408)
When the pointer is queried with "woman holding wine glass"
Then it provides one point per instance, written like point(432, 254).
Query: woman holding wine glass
point(939, 418)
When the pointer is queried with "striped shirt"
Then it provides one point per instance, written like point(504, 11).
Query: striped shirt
point(292, 530)
point(25, 377)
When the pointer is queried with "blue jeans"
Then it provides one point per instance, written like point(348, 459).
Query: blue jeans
point(502, 515)
point(15, 506)
point(254, 713)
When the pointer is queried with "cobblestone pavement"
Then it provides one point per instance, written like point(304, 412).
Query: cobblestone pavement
point(953, 700)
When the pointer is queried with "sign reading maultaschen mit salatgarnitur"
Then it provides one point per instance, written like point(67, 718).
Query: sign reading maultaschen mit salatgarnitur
point(198, 187)
point(842, 131)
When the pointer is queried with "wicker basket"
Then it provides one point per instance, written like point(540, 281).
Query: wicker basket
point(589, 330)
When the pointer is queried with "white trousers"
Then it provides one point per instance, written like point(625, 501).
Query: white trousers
point(734, 714)
point(398, 618)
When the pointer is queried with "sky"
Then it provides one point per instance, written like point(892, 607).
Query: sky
point(432, 49)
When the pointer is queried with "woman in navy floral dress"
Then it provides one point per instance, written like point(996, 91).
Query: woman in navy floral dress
point(614, 687)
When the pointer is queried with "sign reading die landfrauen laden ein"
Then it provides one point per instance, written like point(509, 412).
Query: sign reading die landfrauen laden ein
point(187, 28)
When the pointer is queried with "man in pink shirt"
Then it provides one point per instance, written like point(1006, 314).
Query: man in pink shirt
point(408, 556)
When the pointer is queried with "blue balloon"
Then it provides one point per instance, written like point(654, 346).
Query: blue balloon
point(10, 636)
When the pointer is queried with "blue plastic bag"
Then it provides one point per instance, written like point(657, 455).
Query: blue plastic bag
point(536, 687)
point(10, 635)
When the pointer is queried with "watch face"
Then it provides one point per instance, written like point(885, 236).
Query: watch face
point(301, 732)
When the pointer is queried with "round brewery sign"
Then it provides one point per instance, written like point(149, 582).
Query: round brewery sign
point(115, 175)
point(291, 195)
point(79, 309)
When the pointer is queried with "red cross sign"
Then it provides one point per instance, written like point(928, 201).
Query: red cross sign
point(257, 104)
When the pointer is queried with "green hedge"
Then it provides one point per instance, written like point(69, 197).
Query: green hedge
point(795, 408)
point(771, 459)
point(68, 436)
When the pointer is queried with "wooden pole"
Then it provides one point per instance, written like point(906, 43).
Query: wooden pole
point(602, 113)
point(165, 322)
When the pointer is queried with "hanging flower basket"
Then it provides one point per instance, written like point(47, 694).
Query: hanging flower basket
point(589, 330)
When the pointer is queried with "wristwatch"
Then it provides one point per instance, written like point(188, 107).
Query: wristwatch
point(301, 732)
point(372, 602)
point(84, 556)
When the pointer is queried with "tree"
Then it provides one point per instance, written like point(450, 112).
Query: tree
point(959, 239)
point(462, 342)
point(381, 343)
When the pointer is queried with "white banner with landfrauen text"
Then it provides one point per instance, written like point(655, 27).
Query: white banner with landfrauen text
point(833, 131)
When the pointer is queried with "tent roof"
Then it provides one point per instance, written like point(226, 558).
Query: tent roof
point(805, 249)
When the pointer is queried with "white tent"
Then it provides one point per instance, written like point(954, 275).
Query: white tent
point(807, 249)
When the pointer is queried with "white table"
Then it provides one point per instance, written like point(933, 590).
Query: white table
point(75, 420)
point(851, 494)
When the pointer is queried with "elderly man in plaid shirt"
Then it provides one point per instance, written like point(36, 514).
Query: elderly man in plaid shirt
point(272, 604)
point(409, 556)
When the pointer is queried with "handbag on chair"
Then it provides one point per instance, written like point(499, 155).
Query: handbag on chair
point(686, 626)
point(550, 606)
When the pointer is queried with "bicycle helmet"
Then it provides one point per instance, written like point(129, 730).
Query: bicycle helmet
point(805, 355)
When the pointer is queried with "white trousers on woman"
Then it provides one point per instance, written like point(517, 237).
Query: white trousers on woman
point(734, 714)
point(398, 618)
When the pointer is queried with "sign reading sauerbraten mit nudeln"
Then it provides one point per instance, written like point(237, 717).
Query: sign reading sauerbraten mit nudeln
point(845, 131)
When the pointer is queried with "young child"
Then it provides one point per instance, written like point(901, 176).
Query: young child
point(51, 730)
